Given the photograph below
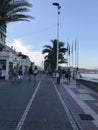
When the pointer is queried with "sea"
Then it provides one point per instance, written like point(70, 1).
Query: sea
point(91, 76)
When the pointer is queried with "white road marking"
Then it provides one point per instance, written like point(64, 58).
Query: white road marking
point(21, 122)
point(74, 125)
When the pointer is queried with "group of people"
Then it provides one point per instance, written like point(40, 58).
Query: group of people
point(33, 72)
point(68, 75)
point(17, 73)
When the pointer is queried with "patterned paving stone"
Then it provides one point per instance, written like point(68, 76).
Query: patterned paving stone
point(85, 97)
point(83, 103)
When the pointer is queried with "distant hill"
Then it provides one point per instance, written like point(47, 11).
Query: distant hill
point(84, 70)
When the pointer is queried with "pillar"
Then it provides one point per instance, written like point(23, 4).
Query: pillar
point(7, 69)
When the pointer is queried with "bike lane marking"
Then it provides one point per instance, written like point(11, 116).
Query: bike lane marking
point(74, 124)
point(22, 119)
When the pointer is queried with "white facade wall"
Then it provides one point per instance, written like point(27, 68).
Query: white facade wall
point(25, 64)
point(11, 57)
point(8, 56)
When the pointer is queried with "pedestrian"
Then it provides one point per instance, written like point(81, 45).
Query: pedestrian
point(63, 73)
point(35, 71)
point(59, 74)
point(77, 76)
point(30, 72)
point(3, 73)
point(68, 75)
point(10, 73)
point(20, 73)
point(14, 73)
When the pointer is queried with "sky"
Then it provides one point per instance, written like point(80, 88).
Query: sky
point(78, 19)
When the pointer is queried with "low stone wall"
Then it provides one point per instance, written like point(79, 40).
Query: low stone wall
point(89, 83)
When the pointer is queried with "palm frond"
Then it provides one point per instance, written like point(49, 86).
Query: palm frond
point(11, 12)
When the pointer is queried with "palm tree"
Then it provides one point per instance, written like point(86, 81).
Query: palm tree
point(51, 54)
point(12, 10)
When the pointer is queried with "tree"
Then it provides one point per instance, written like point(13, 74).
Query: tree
point(51, 55)
point(13, 10)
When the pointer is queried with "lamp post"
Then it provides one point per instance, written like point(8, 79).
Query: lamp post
point(58, 12)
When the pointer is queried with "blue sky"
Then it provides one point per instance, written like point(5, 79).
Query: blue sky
point(77, 18)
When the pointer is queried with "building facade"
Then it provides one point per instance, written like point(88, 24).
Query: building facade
point(9, 57)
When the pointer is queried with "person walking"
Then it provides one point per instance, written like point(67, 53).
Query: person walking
point(20, 73)
point(63, 73)
point(3, 73)
point(77, 76)
point(35, 72)
point(68, 76)
point(14, 73)
point(59, 74)
point(30, 72)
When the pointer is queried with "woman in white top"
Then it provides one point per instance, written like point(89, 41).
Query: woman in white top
point(3, 73)
point(77, 76)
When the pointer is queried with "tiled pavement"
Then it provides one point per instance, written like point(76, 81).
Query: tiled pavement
point(83, 104)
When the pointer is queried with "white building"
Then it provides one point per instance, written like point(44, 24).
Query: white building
point(24, 62)
point(9, 57)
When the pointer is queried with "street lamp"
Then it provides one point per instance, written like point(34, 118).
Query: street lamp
point(58, 12)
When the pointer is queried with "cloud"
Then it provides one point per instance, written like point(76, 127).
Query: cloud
point(35, 57)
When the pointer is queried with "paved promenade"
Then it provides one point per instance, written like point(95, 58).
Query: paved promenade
point(83, 103)
point(42, 104)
